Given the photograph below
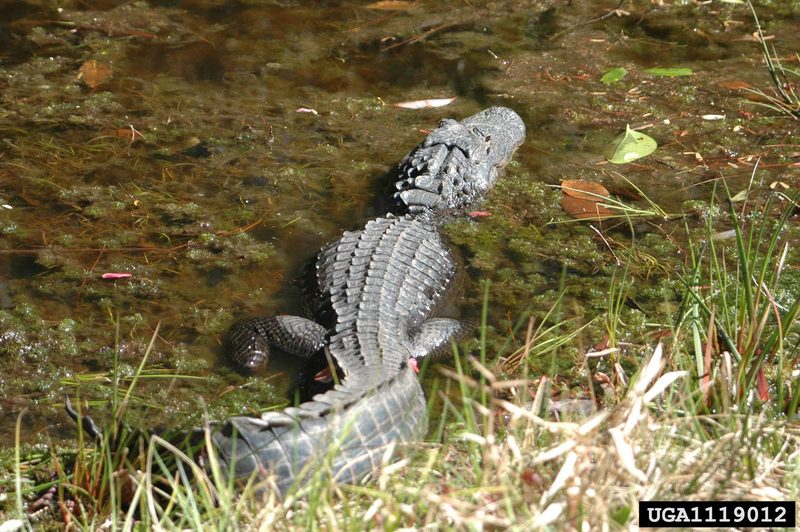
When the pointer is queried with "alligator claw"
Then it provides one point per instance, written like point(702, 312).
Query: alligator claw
point(86, 422)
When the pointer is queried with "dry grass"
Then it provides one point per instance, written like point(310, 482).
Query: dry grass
point(513, 469)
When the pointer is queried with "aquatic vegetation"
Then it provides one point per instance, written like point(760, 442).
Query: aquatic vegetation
point(785, 98)
point(630, 146)
point(744, 356)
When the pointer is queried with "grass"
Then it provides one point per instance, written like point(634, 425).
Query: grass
point(739, 329)
point(785, 96)
point(711, 415)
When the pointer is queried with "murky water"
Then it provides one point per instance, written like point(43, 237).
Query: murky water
point(168, 141)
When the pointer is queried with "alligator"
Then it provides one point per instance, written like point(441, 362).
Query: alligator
point(375, 297)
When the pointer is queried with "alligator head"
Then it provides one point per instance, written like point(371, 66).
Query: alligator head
point(458, 162)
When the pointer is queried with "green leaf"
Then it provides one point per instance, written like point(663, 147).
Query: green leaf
point(669, 72)
point(614, 75)
point(631, 145)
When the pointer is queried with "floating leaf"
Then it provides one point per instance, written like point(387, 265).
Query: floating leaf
point(614, 75)
point(669, 72)
point(94, 73)
point(583, 209)
point(588, 190)
point(632, 145)
point(425, 104)
point(581, 199)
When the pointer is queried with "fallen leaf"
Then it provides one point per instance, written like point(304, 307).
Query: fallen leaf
point(94, 73)
point(740, 196)
point(580, 199)
point(735, 85)
point(585, 209)
point(391, 5)
point(478, 214)
point(632, 145)
point(112, 275)
point(128, 133)
point(587, 190)
point(425, 104)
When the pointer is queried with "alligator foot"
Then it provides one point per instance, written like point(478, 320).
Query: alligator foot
point(249, 340)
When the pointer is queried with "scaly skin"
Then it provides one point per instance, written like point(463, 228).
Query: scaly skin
point(375, 296)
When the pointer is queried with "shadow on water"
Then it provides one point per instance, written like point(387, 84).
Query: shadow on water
point(209, 149)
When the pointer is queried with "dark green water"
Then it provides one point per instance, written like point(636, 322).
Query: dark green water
point(225, 190)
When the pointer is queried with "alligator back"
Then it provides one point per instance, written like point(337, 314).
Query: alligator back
point(382, 282)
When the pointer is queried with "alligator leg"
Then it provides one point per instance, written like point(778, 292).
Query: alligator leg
point(249, 340)
point(434, 335)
